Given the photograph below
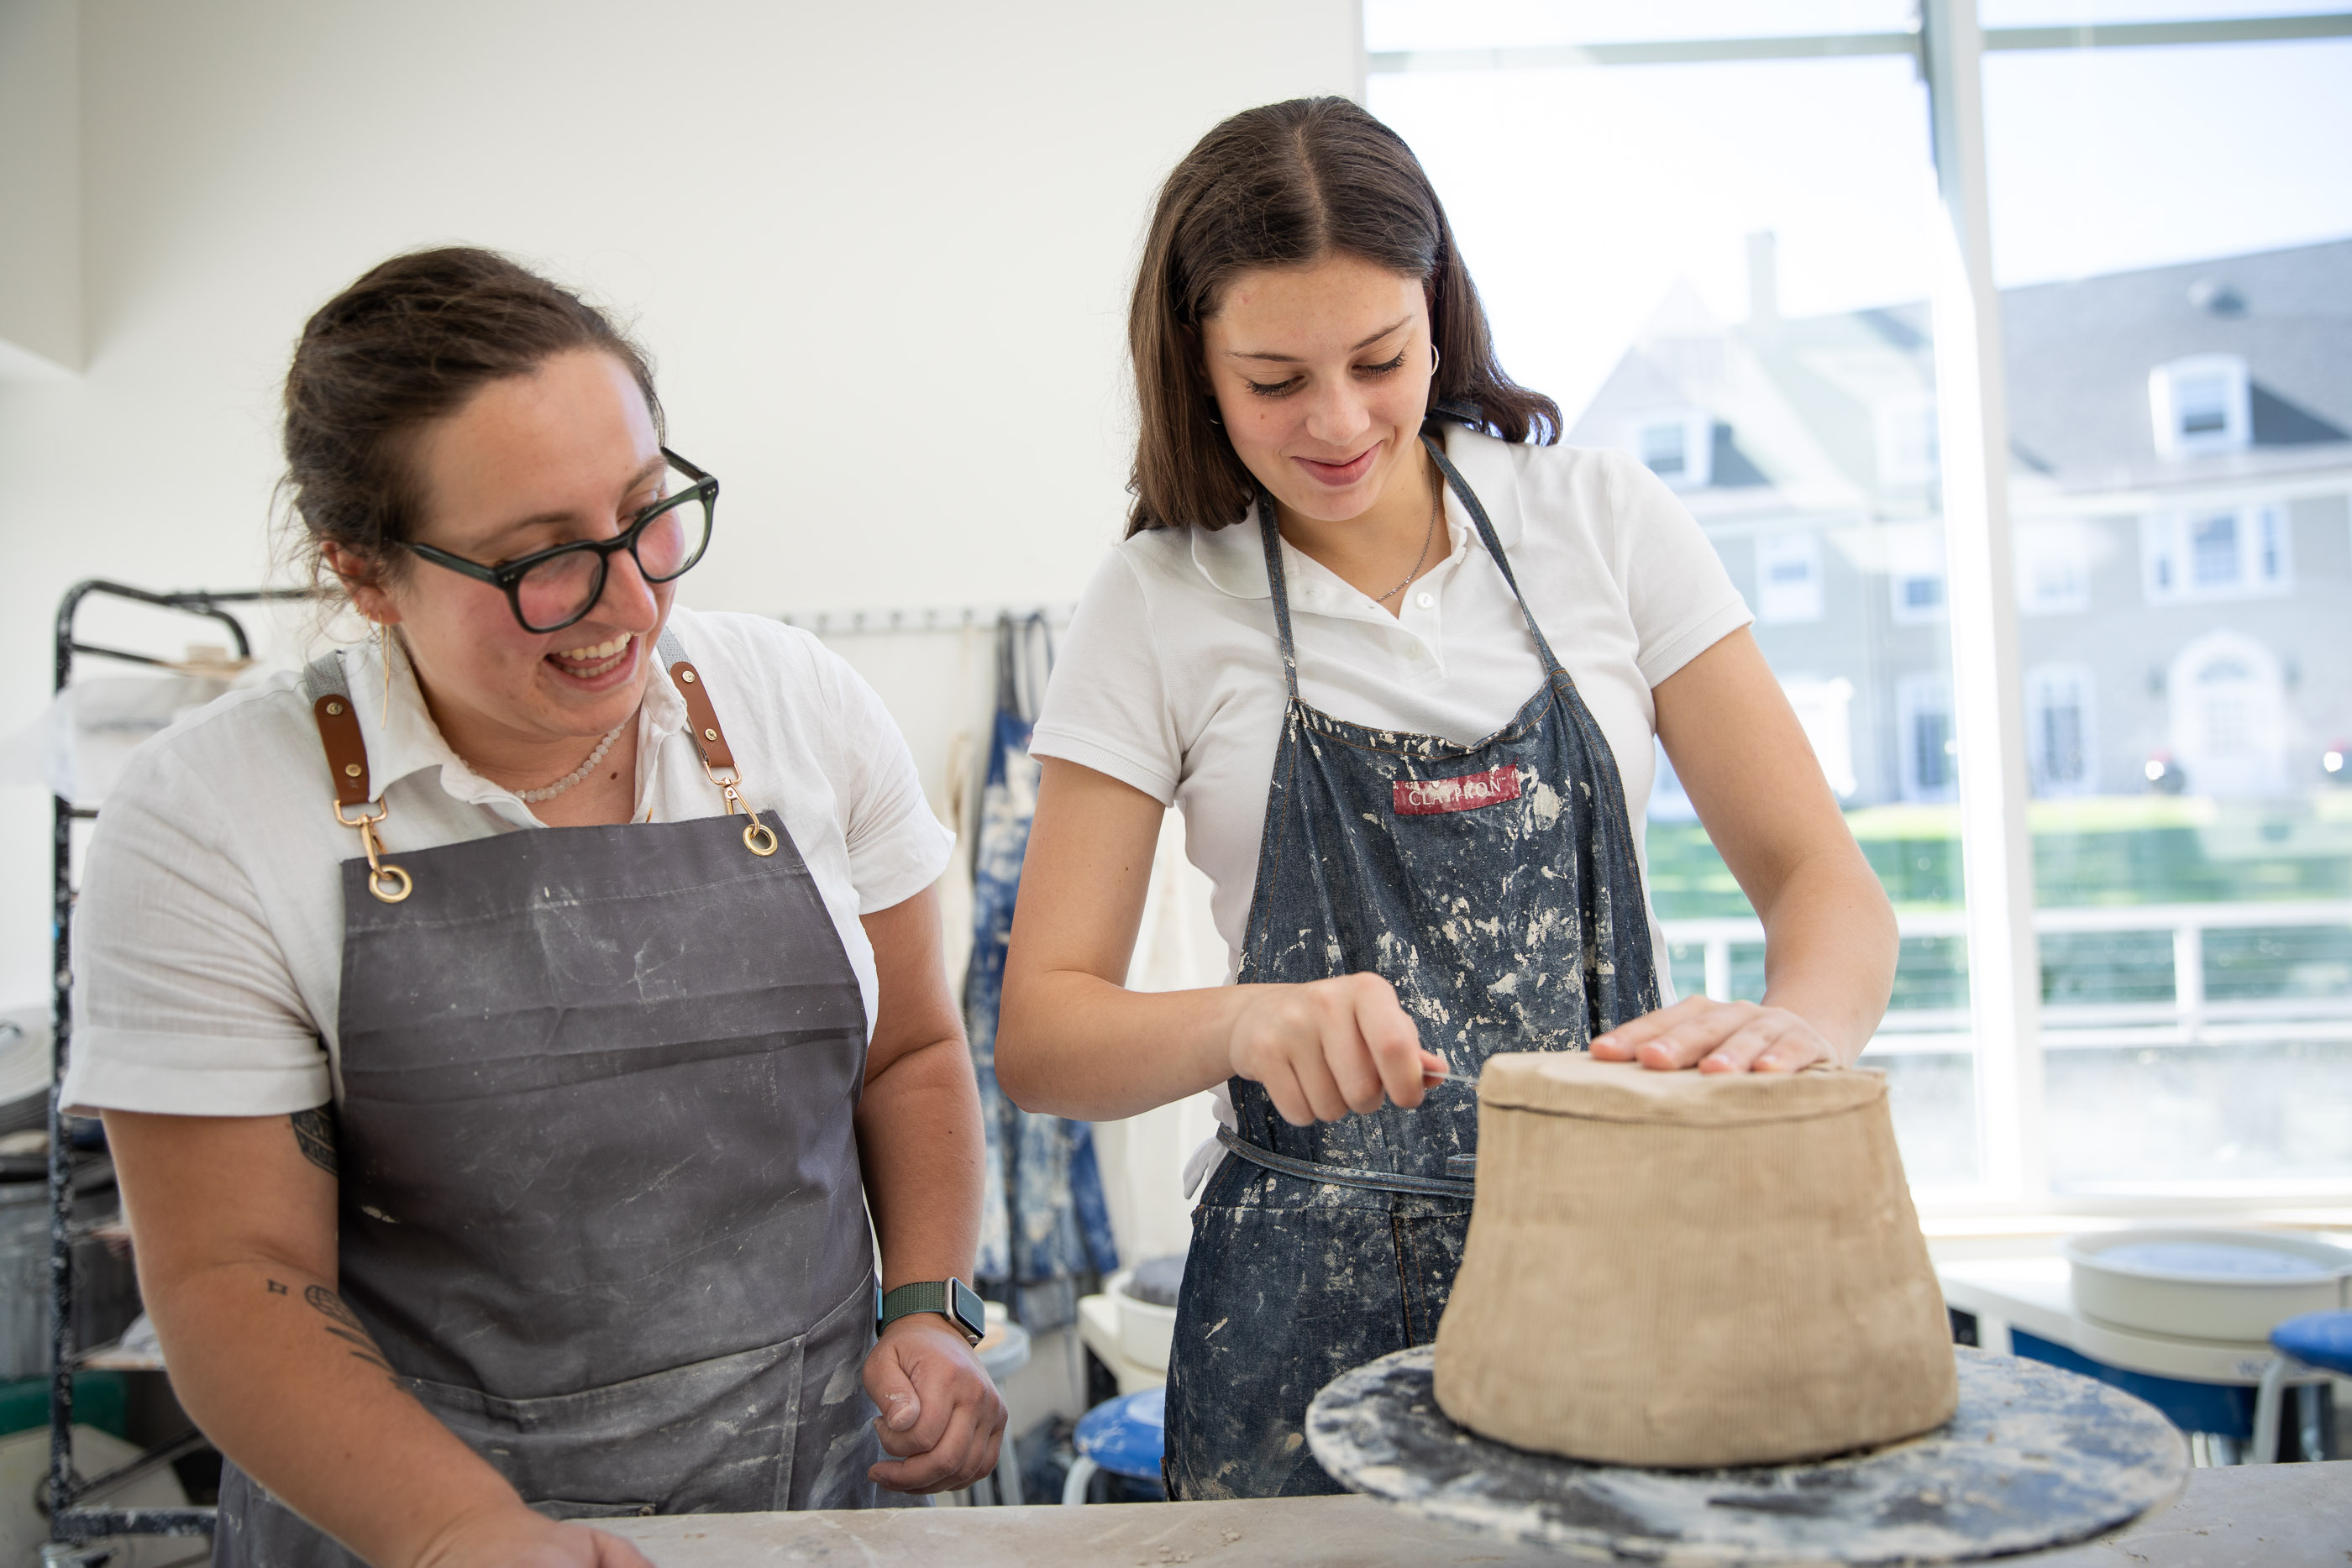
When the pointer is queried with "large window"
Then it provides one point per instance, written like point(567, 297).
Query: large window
point(2179, 370)
point(1712, 231)
point(1721, 267)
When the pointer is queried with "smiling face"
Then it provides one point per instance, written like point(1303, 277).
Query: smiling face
point(566, 453)
point(1321, 375)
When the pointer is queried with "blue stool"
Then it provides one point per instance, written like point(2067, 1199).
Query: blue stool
point(1124, 1435)
point(2315, 1342)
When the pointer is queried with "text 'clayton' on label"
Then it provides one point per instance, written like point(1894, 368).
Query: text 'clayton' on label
point(1428, 796)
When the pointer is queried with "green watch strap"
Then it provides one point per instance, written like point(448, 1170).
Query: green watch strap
point(951, 1299)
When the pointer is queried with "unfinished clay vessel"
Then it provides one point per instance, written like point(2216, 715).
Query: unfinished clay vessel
point(1687, 1270)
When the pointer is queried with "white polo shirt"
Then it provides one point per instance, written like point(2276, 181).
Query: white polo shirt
point(1170, 679)
point(207, 939)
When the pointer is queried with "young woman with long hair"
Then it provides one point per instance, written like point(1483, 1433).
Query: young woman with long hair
point(1400, 659)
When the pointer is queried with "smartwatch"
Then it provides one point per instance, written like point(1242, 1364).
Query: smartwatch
point(951, 1299)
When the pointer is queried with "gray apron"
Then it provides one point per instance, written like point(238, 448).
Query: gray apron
point(600, 1204)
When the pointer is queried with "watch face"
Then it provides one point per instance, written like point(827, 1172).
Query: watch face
point(966, 1309)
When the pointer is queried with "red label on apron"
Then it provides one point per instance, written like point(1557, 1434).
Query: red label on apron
point(1428, 796)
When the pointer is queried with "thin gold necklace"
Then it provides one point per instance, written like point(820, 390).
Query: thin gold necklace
point(1436, 497)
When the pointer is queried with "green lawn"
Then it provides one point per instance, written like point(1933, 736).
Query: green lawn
point(2097, 849)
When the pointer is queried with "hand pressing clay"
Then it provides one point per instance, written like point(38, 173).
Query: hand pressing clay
point(1691, 1269)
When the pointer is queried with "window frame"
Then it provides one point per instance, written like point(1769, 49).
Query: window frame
point(2059, 538)
point(1987, 678)
point(1916, 553)
point(2169, 552)
point(1916, 697)
point(1777, 604)
point(1697, 430)
point(2040, 681)
point(1906, 430)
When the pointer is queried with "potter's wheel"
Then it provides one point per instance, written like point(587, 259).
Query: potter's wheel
point(2035, 1457)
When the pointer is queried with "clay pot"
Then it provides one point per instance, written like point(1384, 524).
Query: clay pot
point(1691, 1269)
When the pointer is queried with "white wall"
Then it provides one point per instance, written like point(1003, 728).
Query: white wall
point(880, 253)
point(41, 189)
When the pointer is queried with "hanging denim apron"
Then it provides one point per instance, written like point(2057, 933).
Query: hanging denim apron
point(1044, 1227)
point(600, 1203)
point(1495, 885)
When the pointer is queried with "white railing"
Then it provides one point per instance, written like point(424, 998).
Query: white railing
point(2190, 1018)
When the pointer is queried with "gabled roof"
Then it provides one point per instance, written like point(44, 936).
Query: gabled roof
point(1767, 453)
point(1800, 401)
point(2080, 353)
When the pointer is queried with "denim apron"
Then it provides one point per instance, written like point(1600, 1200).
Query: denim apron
point(600, 1203)
point(1495, 885)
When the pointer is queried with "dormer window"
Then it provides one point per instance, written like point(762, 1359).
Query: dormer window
point(2201, 404)
point(1678, 446)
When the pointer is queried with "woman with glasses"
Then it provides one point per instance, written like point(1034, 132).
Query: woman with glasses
point(1404, 664)
point(503, 1030)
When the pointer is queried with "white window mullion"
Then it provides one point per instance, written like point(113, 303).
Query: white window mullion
point(1988, 691)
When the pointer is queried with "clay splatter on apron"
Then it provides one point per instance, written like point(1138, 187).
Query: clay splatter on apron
point(1509, 915)
point(601, 1201)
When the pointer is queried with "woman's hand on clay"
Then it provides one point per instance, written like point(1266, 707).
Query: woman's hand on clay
point(941, 1418)
point(516, 1537)
point(1717, 1037)
point(1329, 1047)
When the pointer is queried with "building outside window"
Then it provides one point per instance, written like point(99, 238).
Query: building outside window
point(1788, 578)
point(1825, 712)
point(2058, 735)
point(2229, 720)
point(1914, 573)
point(2194, 388)
point(2175, 306)
point(2201, 404)
point(1677, 447)
point(2054, 558)
point(1923, 708)
point(2217, 552)
point(1909, 444)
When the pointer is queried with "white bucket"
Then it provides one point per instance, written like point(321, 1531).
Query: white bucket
point(2205, 1284)
point(1147, 1331)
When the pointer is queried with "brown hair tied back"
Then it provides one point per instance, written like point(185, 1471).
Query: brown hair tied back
point(411, 342)
point(1286, 185)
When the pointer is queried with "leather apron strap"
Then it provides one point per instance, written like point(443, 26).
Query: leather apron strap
point(710, 740)
point(347, 764)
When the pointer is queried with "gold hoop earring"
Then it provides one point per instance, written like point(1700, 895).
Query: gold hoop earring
point(1432, 358)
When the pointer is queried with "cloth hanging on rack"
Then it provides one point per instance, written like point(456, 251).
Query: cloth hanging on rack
point(77, 748)
point(1044, 1224)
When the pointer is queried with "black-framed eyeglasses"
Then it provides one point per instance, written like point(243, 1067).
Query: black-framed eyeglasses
point(549, 589)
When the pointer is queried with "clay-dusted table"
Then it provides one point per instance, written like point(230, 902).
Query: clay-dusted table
point(2264, 1516)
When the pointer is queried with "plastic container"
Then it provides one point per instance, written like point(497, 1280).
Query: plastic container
point(2205, 1284)
point(1147, 1327)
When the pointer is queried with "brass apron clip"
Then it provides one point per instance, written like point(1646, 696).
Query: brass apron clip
point(710, 741)
point(339, 732)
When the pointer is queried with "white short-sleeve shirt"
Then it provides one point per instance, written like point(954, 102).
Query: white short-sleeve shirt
point(207, 939)
point(1170, 679)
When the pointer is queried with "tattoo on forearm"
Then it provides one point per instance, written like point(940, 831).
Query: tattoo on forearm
point(314, 1133)
point(345, 1326)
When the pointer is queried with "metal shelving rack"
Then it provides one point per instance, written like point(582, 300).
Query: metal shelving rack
point(73, 1528)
